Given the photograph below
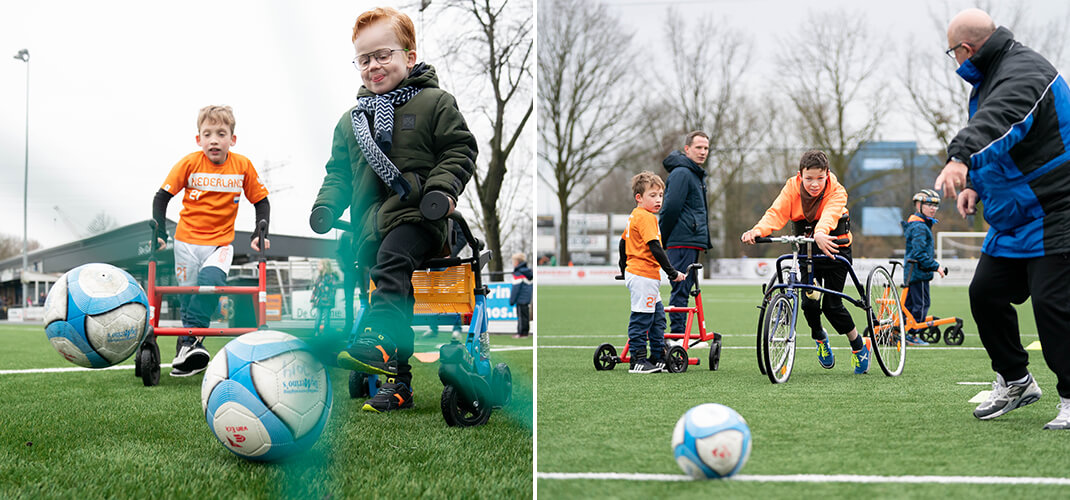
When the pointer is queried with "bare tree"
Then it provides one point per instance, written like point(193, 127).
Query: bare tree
point(101, 223)
point(11, 246)
point(500, 51)
point(834, 89)
point(707, 90)
point(585, 100)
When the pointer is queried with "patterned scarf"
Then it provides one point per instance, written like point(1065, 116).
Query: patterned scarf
point(810, 204)
point(381, 107)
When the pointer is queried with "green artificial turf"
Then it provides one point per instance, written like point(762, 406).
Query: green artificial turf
point(102, 434)
point(818, 422)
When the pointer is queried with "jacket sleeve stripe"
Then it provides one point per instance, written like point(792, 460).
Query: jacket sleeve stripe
point(1012, 136)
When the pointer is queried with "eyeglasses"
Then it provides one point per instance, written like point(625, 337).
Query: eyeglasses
point(951, 52)
point(382, 56)
point(930, 204)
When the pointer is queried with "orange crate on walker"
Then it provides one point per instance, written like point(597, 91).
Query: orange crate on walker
point(443, 291)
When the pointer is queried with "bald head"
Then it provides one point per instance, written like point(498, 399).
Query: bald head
point(972, 26)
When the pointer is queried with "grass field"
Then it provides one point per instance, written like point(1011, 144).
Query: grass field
point(102, 434)
point(821, 422)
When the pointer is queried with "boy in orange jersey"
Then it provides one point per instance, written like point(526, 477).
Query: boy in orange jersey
point(816, 204)
point(641, 256)
point(214, 179)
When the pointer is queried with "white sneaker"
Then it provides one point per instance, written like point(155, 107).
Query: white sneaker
point(1006, 397)
point(1062, 421)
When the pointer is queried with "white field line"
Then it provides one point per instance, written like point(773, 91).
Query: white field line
point(71, 369)
point(168, 365)
point(819, 478)
point(938, 348)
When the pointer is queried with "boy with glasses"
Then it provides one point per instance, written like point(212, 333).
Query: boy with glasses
point(920, 263)
point(403, 139)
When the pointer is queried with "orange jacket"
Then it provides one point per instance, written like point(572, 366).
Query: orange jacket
point(788, 206)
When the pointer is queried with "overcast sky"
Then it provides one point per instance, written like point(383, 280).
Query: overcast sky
point(115, 87)
point(769, 22)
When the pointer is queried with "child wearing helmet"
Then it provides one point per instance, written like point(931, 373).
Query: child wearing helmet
point(920, 262)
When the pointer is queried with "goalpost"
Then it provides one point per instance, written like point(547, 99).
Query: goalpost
point(959, 244)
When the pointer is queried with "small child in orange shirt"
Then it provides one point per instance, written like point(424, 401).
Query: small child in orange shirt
point(641, 257)
point(214, 180)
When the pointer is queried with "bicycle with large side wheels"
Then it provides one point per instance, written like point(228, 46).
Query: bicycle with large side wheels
point(782, 297)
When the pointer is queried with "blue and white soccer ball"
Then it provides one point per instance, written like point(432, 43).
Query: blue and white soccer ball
point(265, 396)
point(96, 315)
point(711, 441)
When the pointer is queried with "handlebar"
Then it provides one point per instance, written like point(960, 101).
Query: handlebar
point(260, 232)
point(798, 240)
point(322, 219)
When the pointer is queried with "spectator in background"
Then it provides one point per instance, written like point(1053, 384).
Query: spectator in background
point(520, 295)
point(683, 216)
point(323, 296)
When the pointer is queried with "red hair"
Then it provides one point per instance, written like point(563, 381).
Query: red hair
point(401, 23)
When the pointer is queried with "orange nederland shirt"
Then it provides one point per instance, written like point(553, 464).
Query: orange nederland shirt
point(210, 204)
point(642, 228)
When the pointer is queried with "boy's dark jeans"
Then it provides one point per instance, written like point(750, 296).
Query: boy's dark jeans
point(642, 326)
point(918, 300)
point(680, 258)
point(391, 303)
point(832, 274)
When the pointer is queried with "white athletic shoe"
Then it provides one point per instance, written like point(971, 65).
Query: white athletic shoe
point(1006, 397)
point(1062, 421)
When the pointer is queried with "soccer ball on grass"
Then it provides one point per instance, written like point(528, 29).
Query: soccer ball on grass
point(711, 441)
point(265, 396)
point(96, 315)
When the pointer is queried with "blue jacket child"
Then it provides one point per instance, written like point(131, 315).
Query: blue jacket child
point(920, 261)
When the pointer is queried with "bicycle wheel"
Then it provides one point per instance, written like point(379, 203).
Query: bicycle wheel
point(778, 338)
point(886, 322)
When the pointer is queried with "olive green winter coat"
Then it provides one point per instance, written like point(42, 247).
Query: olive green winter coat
point(433, 149)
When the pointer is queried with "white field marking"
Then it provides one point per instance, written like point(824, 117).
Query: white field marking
point(752, 347)
point(71, 369)
point(819, 478)
point(981, 397)
point(974, 383)
point(168, 365)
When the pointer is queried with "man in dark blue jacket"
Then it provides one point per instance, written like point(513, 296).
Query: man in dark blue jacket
point(520, 295)
point(1012, 157)
point(683, 217)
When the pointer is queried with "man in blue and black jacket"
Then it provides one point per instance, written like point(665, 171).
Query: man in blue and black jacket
point(1013, 158)
point(683, 217)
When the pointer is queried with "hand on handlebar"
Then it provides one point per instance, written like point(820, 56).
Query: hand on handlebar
point(161, 244)
point(748, 236)
point(255, 247)
point(826, 244)
point(679, 276)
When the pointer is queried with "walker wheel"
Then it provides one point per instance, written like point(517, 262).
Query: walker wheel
point(358, 385)
point(677, 360)
point(953, 335)
point(932, 335)
point(148, 360)
point(460, 413)
point(605, 357)
point(715, 355)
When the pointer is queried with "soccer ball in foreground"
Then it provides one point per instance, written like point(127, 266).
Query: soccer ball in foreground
point(265, 396)
point(711, 441)
point(96, 315)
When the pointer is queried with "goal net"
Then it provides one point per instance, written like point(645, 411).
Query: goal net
point(959, 244)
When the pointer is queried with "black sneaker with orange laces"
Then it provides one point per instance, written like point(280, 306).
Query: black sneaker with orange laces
point(393, 395)
point(371, 353)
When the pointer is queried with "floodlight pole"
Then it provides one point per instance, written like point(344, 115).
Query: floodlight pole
point(24, 56)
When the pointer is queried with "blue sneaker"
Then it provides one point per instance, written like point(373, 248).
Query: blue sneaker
point(912, 340)
point(824, 354)
point(860, 360)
